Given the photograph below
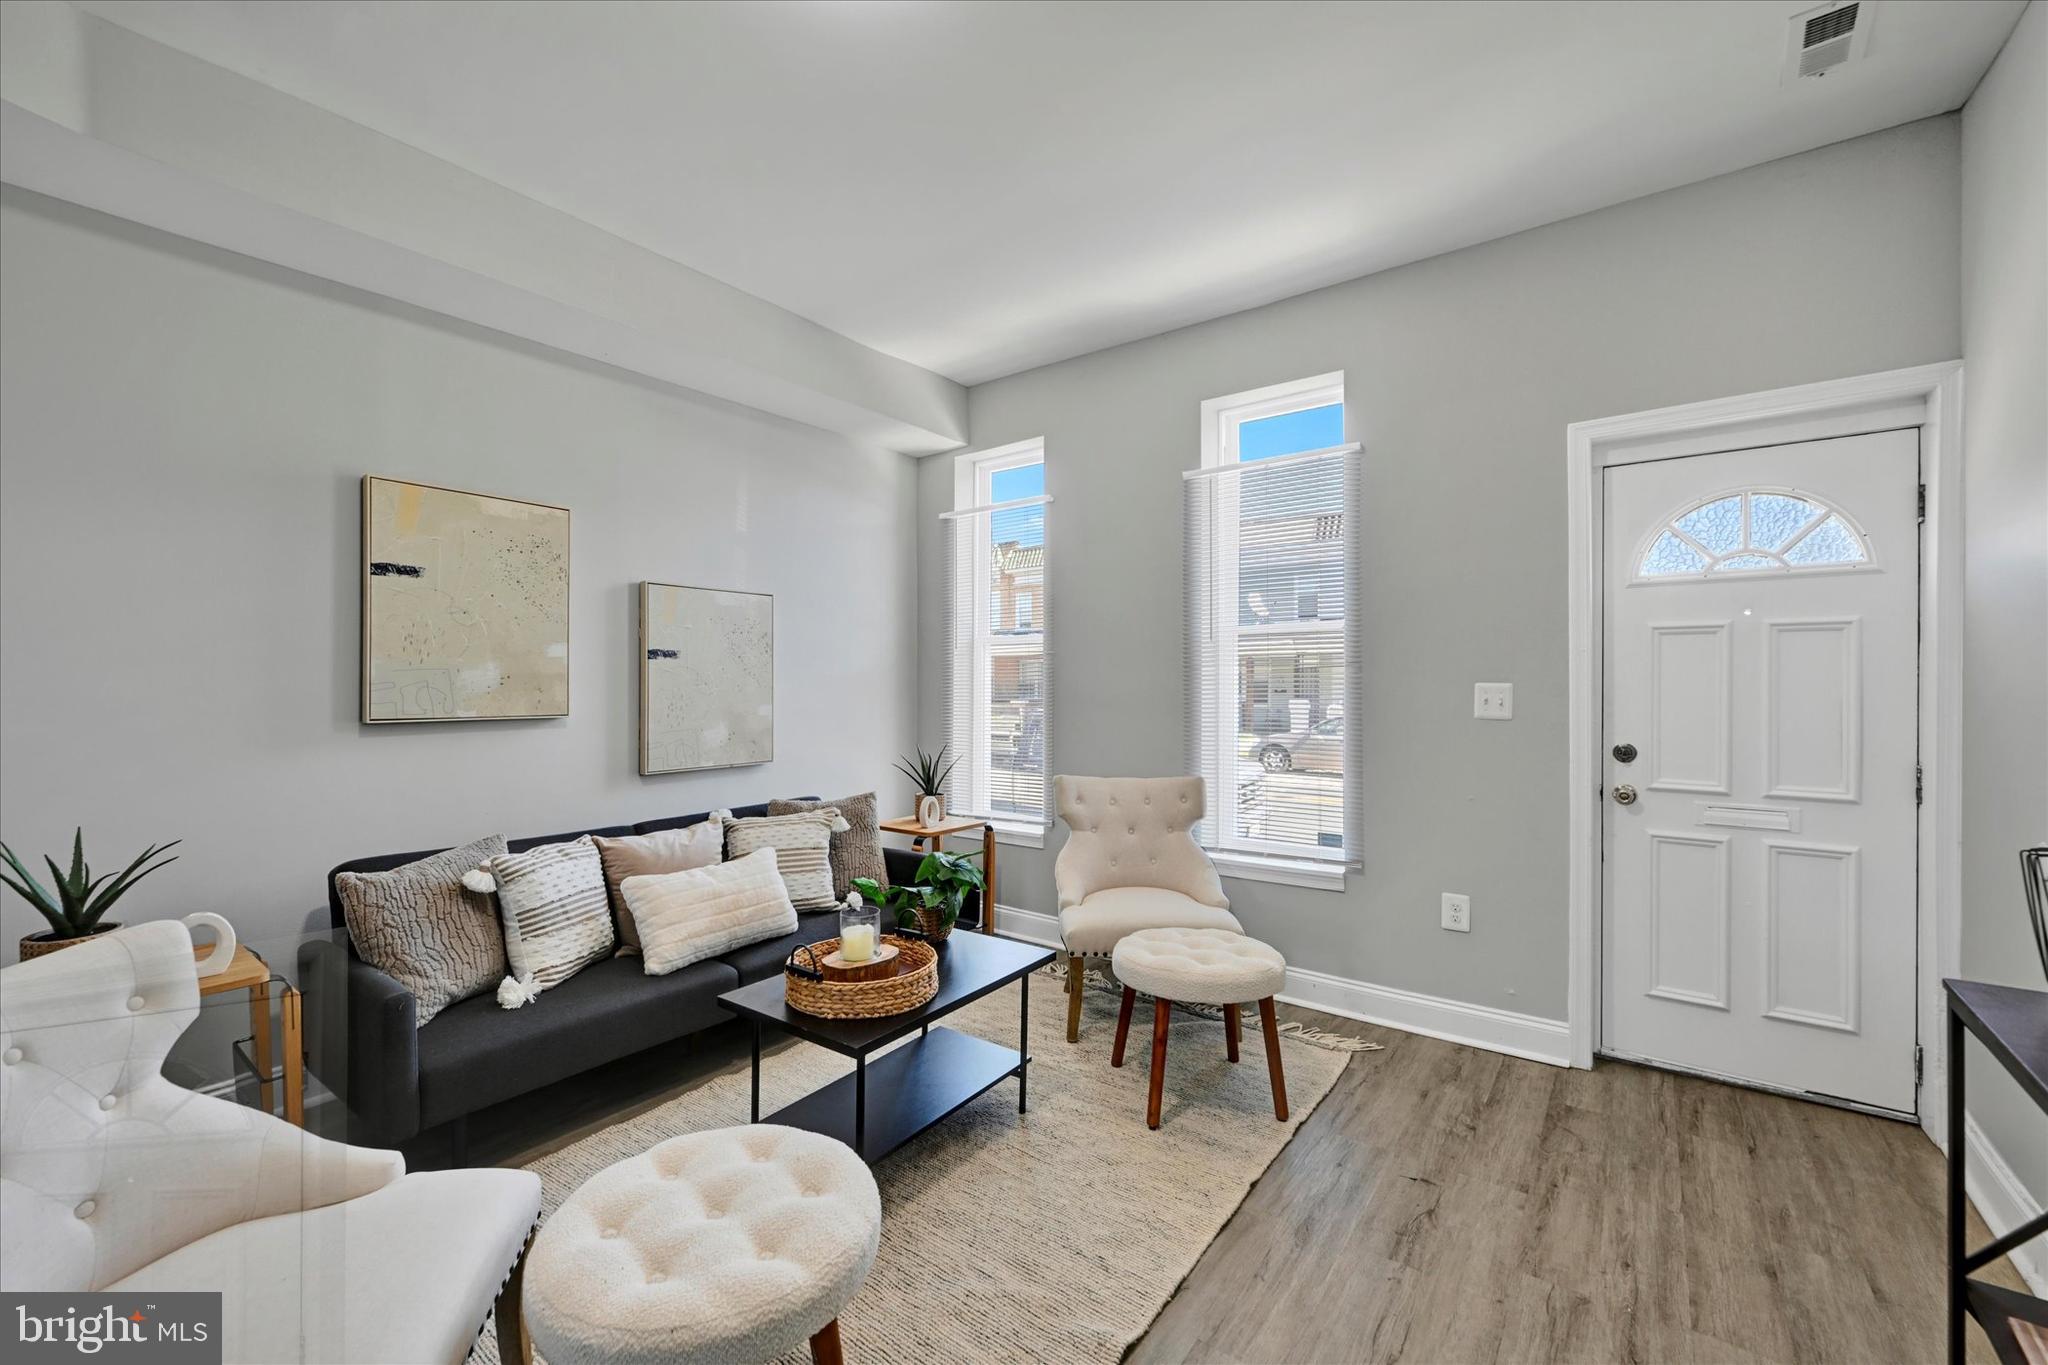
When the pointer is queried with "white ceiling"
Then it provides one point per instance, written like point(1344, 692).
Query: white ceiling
point(983, 188)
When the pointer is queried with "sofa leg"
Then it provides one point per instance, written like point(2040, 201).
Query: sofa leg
point(514, 1346)
point(1075, 971)
point(825, 1348)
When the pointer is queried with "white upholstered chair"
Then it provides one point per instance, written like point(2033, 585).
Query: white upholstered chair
point(114, 1179)
point(1130, 863)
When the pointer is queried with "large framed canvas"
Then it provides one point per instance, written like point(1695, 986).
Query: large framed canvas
point(465, 605)
point(707, 678)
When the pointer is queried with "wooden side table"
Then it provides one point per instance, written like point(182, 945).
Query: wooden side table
point(924, 838)
point(248, 972)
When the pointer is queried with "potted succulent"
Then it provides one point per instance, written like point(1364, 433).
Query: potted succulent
point(931, 904)
point(77, 911)
point(928, 773)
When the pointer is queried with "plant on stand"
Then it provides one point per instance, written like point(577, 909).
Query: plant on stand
point(76, 912)
point(928, 773)
point(931, 904)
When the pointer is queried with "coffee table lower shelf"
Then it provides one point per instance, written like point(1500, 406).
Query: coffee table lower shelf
point(890, 1100)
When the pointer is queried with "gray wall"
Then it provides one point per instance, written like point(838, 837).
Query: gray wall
point(2005, 584)
point(1462, 373)
point(181, 436)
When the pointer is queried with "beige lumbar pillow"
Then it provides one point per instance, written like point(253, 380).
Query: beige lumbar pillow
point(648, 855)
point(803, 851)
point(685, 917)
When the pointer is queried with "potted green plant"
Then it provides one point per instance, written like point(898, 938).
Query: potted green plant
point(928, 773)
point(931, 904)
point(77, 911)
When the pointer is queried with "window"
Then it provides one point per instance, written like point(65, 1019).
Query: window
point(1271, 545)
point(994, 621)
point(1760, 531)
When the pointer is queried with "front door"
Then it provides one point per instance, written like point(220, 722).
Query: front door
point(1759, 749)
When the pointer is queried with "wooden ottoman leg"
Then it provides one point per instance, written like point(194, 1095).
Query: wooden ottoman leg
point(1123, 1026)
point(1272, 1028)
point(1161, 1009)
point(515, 1347)
point(1230, 1029)
point(1075, 969)
point(825, 1345)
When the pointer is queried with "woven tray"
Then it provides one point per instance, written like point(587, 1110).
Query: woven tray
point(915, 982)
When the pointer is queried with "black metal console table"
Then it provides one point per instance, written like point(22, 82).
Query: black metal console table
point(2013, 1026)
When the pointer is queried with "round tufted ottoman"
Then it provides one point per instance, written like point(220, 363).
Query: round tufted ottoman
point(1199, 967)
point(732, 1245)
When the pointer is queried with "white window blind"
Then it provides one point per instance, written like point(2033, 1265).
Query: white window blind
point(1273, 652)
point(998, 661)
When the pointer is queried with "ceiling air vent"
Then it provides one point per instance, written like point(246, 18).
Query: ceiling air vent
point(1826, 38)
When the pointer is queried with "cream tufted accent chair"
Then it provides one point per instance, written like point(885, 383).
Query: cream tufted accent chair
point(114, 1179)
point(1130, 863)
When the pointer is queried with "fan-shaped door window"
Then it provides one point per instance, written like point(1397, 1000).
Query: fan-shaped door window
point(1759, 531)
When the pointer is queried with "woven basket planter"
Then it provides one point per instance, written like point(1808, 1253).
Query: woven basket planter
point(916, 981)
point(41, 945)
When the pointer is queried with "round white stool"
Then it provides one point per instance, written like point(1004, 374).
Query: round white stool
point(728, 1246)
point(1199, 967)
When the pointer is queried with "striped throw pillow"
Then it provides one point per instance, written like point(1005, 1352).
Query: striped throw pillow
point(803, 851)
point(552, 901)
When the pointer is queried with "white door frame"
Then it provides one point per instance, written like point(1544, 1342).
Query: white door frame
point(1929, 397)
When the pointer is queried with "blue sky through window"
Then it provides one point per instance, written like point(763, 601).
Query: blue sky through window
point(1022, 525)
point(1290, 433)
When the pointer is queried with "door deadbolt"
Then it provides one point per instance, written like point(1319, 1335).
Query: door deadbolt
point(1624, 753)
point(1624, 795)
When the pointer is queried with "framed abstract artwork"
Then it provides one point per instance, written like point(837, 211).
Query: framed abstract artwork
point(465, 606)
point(707, 678)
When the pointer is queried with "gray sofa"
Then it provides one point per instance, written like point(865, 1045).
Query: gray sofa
point(399, 1079)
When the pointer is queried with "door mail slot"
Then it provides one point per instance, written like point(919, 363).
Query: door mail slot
point(1749, 817)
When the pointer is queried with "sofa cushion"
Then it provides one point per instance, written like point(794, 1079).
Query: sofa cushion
point(476, 1054)
point(687, 916)
point(645, 855)
point(1095, 925)
point(404, 1273)
point(758, 961)
point(556, 918)
point(420, 926)
point(856, 850)
point(802, 845)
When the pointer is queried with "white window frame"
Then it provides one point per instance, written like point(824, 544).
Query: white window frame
point(973, 486)
point(1253, 859)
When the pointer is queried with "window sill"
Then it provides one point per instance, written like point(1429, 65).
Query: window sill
point(1020, 836)
point(1255, 867)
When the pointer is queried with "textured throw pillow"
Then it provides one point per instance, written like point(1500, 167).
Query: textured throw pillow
point(419, 926)
point(856, 850)
point(552, 902)
point(685, 917)
point(802, 845)
point(646, 855)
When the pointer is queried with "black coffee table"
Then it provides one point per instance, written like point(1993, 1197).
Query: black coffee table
point(884, 1104)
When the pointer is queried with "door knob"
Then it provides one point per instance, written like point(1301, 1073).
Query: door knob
point(1624, 795)
point(1624, 753)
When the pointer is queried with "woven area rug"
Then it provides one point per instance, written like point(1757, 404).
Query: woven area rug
point(1053, 1235)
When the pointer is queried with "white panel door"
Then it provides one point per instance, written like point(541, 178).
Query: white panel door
point(1760, 742)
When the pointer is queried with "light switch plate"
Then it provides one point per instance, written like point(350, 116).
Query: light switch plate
point(1457, 913)
point(1493, 701)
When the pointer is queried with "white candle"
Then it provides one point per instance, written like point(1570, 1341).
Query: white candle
point(858, 943)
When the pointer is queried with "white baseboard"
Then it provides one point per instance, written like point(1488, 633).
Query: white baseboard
point(2003, 1201)
point(1480, 1026)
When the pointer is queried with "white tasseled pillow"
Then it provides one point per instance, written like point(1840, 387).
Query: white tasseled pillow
point(687, 916)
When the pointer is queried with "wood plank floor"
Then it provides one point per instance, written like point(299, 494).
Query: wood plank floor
point(1446, 1204)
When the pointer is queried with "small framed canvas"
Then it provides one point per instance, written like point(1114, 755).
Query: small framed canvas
point(707, 678)
point(465, 605)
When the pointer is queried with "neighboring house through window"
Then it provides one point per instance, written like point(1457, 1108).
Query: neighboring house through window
point(1271, 544)
point(997, 680)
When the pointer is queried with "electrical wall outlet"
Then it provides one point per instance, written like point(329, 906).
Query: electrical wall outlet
point(1457, 913)
point(1493, 701)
